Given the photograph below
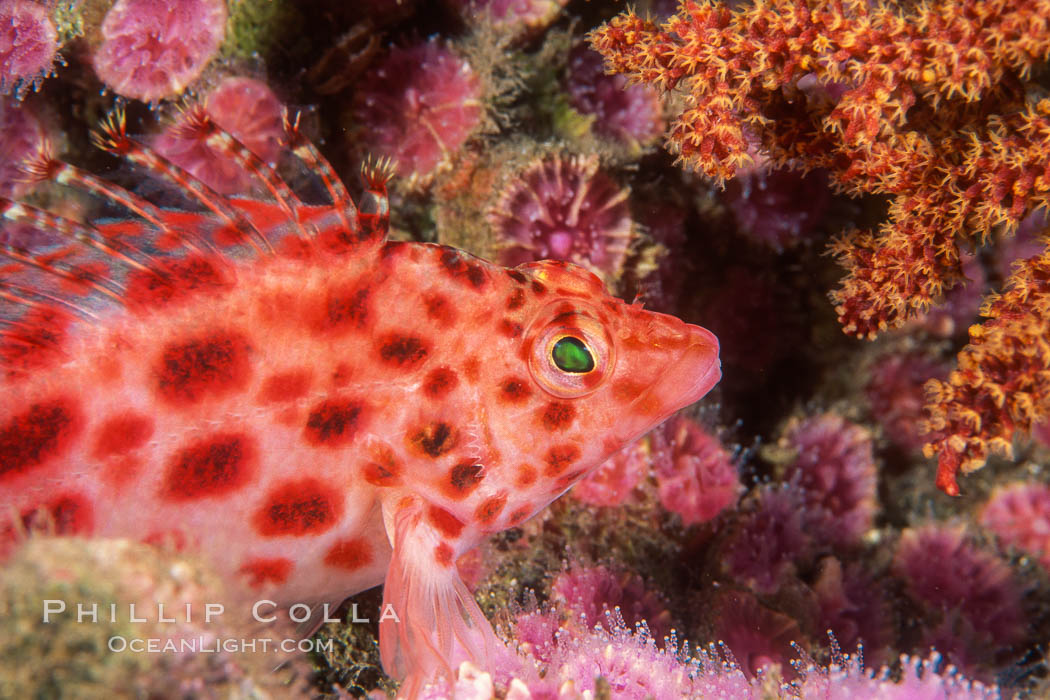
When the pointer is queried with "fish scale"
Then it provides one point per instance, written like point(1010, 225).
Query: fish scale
point(314, 408)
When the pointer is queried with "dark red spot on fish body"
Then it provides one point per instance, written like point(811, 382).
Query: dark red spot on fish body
point(514, 390)
point(519, 516)
point(440, 382)
point(444, 522)
point(464, 478)
point(626, 390)
point(285, 386)
point(538, 288)
point(210, 366)
point(434, 440)
point(213, 466)
point(490, 509)
point(394, 249)
point(403, 351)
point(517, 277)
point(333, 423)
point(444, 555)
point(509, 328)
point(68, 514)
point(516, 300)
point(382, 474)
point(30, 439)
point(298, 508)
point(440, 309)
point(175, 281)
point(557, 415)
point(560, 457)
point(121, 434)
point(350, 554)
point(262, 572)
point(469, 272)
point(345, 309)
point(526, 476)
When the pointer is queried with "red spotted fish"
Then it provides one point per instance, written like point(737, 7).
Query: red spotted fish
point(314, 408)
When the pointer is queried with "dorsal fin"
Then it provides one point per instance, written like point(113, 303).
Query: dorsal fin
point(112, 137)
point(155, 255)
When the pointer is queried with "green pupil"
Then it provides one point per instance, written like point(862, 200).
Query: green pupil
point(571, 355)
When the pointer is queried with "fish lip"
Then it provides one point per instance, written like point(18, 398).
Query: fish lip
point(703, 343)
point(711, 376)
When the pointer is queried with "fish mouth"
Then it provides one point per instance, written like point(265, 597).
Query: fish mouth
point(689, 375)
point(700, 359)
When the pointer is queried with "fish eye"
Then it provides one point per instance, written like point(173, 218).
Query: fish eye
point(570, 354)
point(569, 351)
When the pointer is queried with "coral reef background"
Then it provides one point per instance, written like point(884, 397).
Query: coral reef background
point(705, 160)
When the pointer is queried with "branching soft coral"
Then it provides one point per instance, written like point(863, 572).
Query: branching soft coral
point(929, 105)
point(1003, 380)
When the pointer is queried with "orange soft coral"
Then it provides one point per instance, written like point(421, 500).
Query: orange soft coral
point(929, 105)
point(1003, 380)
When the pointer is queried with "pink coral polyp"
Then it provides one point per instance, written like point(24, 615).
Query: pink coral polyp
point(152, 49)
point(28, 42)
point(612, 482)
point(627, 113)
point(246, 108)
point(1019, 515)
point(418, 106)
point(565, 209)
point(696, 477)
point(835, 469)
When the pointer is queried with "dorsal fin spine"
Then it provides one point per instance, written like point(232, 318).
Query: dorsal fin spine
point(305, 151)
point(198, 124)
point(29, 301)
point(70, 228)
point(84, 277)
point(114, 139)
point(71, 176)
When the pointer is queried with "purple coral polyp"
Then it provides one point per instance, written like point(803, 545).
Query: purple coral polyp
point(696, 476)
point(622, 112)
point(153, 49)
point(249, 110)
point(565, 208)
point(418, 106)
point(28, 43)
point(835, 468)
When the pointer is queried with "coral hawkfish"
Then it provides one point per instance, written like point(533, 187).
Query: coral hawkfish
point(311, 406)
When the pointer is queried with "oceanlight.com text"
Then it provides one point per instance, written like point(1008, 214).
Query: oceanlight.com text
point(214, 645)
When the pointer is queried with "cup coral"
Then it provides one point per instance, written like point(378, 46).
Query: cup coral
point(768, 538)
point(153, 49)
point(969, 594)
point(418, 106)
point(588, 593)
point(630, 114)
point(246, 108)
point(28, 43)
point(513, 16)
point(21, 135)
point(835, 469)
point(696, 477)
point(612, 482)
point(778, 208)
point(896, 395)
point(1019, 515)
point(565, 208)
